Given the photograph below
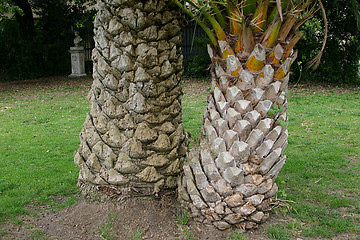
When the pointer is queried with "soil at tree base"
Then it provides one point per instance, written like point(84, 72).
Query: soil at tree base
point(155, 219)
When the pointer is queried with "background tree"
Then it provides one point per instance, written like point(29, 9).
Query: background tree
point(33, 48)
point(340, 61)
point(230, 178)
point(25, 19)
point(133, 141)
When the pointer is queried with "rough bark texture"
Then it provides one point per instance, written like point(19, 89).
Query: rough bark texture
point(133, 142)
point(229, 179)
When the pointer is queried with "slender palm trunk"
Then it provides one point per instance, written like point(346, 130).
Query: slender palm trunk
point(229, 179)
point(133, 141)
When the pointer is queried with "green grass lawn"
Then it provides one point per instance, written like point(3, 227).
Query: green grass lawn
point(39, 129)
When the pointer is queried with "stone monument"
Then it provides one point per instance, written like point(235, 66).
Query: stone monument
point(77, 58)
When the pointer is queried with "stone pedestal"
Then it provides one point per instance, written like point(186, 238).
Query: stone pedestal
point(77, 62)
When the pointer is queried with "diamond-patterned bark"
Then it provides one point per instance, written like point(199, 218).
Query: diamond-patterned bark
point(240, 154)
point(133, 141)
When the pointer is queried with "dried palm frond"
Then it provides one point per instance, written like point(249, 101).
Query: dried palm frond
point(315, 62)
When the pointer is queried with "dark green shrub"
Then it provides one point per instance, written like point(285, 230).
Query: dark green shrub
point(197, 66)
point(340, 61)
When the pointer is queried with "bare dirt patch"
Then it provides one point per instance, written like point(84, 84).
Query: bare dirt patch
point(354, 160)
point(193, 86)
point(310, 88)
point(131, 219)
point(46, 82)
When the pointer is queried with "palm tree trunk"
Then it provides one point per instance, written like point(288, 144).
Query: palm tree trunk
point(229, 179)
point(133, 142)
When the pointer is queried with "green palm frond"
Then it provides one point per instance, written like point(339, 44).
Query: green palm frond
point(315, 62)
point(269, 22)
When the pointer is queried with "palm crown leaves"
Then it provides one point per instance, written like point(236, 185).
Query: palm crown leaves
point(234, 26)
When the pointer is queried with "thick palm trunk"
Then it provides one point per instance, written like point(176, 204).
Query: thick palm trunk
point(133, 141)
point(229, 179)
